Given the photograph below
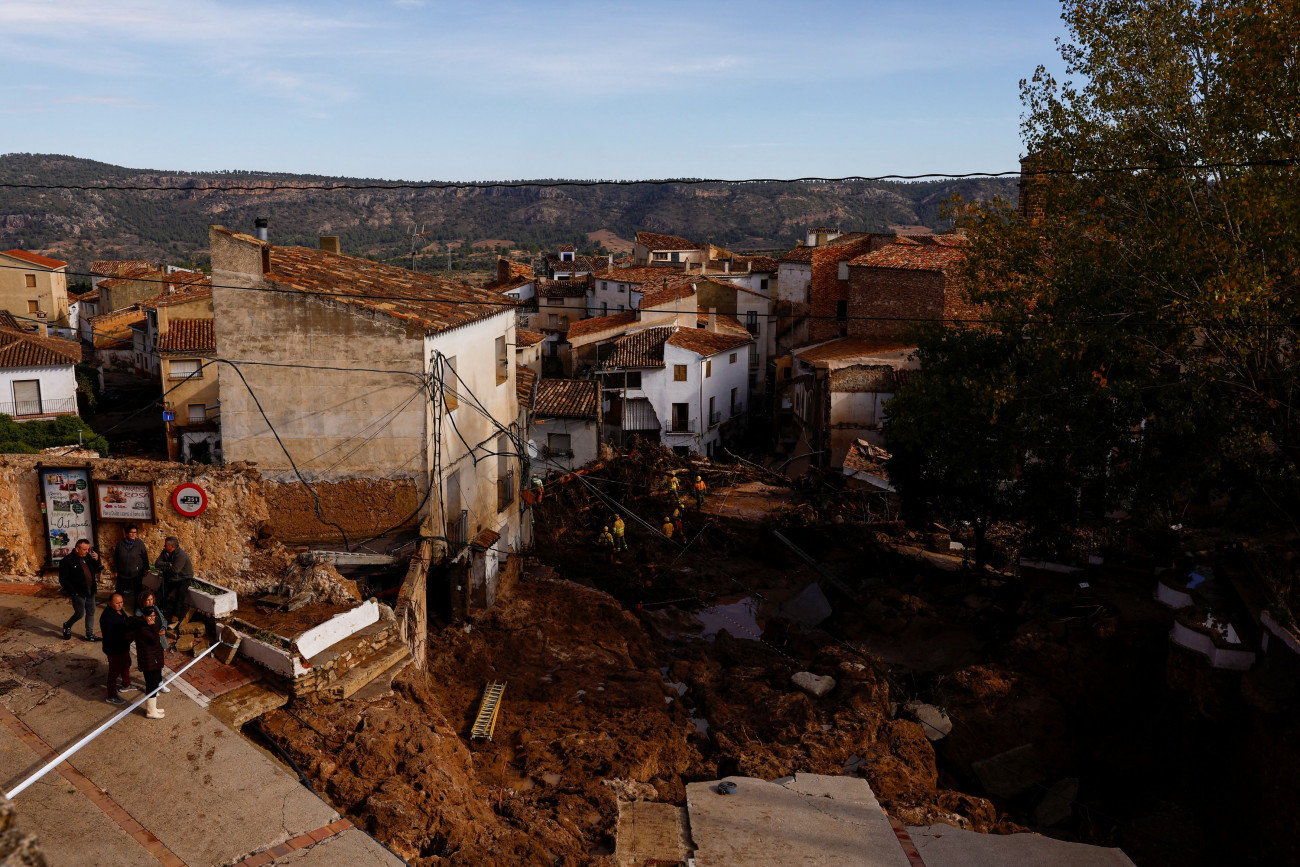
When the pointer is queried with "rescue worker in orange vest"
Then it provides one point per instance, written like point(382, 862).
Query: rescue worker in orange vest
point(620, 541)
point(700, 489)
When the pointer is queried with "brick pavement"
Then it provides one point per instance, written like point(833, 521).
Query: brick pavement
point(209, 677)
point(300, 842)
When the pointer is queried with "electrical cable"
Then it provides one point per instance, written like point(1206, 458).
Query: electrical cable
point(491, 185)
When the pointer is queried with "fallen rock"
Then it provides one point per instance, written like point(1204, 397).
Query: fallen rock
point(184, 643)
point(813, 684)
point(193, 628)
point(1058, 804)
point(934, 722)
point(231, 639)
point(631, 790)
point(200, 645)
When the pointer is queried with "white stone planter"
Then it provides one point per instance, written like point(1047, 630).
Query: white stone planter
point(222, 603)
point(337, 628)
point(270, 656)
point(1219, 657)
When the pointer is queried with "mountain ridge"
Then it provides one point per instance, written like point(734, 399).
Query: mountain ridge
point(83, 225)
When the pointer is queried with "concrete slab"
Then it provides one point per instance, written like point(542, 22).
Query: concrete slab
point(246, 703)
point(946, 846)
point(809, 608)
point(85, 832)
point(352, 848)
point(649, 832)
point(202, 790)
point(825, 821)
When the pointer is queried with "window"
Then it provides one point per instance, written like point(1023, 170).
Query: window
point(559, 445)
point(621, 289)
point(713, 413)
point(555, 320)
point(450, 384)
point(660, 256)
point(30, 280)
point(681, 417)
point(27, 397)
point(33, 307)
point(733, 358)
point(604, 308)
point(735, 407)
point(762, 285)
point(634, 379)
point(620, 308)
point(841, 311)
point(708, 368)
point(676, 257)
point(184, 368)
point(503, 363)
point(198, 413)
point(604, 286)
point(844, 269)
point(679, 373)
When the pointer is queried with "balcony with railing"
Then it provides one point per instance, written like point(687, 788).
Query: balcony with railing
point(458, 533)
point(715, 418)
point(505, 491)
point(681, 426)
point(38, 408)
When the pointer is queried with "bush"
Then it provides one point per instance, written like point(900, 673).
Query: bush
point(28, 438)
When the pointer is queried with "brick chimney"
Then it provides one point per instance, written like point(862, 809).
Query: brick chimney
point(330, 244)
point(1031, 192)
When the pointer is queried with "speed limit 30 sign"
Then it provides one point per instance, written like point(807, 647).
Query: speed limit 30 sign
point(190, 500)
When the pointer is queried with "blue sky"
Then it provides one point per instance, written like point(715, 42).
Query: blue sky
point(423, 89)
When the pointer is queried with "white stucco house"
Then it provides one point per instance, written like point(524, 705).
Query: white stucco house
point(38, 377)
point(564, 423)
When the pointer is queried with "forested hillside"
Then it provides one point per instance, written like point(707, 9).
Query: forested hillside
point(81, 225)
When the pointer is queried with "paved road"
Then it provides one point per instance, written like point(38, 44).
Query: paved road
point(186, 790)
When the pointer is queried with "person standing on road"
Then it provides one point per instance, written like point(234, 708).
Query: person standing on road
point(620, 540)
point(606, 543)
point(115, 629)
point(677, 521)
point(668, 529)
point(149, 657)
point(700, 490)
point(78, 577)
point(177, 570)
point(130, 562)
point(149, 602)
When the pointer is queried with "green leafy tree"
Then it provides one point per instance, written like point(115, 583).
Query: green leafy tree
point(1150, 278)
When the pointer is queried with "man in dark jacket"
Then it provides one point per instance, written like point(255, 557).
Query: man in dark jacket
point(130, 562)
point(114, 626)
point(176, 569)
point(78, 576)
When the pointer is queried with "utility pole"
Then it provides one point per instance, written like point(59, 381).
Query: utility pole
point(415, 234)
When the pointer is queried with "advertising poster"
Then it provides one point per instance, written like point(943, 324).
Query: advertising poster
point(124, 501)
point(65, 497)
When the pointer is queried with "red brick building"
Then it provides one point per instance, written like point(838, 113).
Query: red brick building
point(904, 282)
point(827, 289)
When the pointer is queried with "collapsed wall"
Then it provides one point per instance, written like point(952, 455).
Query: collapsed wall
point(220, 541)
point(361, 507)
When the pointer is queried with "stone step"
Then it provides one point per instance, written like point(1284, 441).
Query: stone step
point(382, 685)
point(246, 703)
point(367, 670)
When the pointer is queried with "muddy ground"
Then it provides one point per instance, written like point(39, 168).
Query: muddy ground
point(614, 691)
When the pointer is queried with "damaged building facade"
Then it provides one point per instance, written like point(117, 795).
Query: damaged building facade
point(335, 368)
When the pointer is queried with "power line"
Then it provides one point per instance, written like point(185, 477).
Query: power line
point(489, 185)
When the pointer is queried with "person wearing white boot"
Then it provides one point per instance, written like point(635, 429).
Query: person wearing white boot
point(149, 659)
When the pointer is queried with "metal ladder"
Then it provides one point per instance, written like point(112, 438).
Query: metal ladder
point(486, 721)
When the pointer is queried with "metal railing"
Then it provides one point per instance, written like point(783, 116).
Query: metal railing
point(738, 408)
point(682, 425)
point(39, 407)
point(715, 418)
point(505, 491)
point(458, 533)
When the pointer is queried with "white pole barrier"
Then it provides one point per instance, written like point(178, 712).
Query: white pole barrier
point(68, 753)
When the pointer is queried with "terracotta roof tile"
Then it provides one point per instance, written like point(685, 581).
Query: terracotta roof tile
point(180, 288)
point(576, 264)
point(584, 327)
point(567, 398)
point(188, 335)
point(922, 257)
point(760, 264)
point(120, 267)
point(113, 330)
point(674, 291)
point(639, 275)
point(525, 379)
point(524, 337)
point(799, 254)
point(486, 539)
point(726, 324)
point(655, 241)
point(642, 349)
point(36, 259)
point(9, 323)
point(571, 288)
point(706, 343)
point(435, 304)
point(24, 349)
point(91, 295)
